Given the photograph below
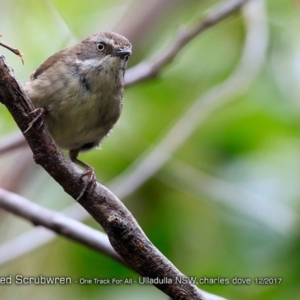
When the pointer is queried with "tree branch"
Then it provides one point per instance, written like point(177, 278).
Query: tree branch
point(158, 64)
point(247, 68)
point(60, 224)
point(157, 156)
point(57, 222)
point(150, 68)
point(125, 235)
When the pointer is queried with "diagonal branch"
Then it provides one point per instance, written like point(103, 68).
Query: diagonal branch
point(150, 68)
point(161, 64)
point(60, 224)
point(247, 69)
point(57, 222)
point(148, 164)
point(124, 233)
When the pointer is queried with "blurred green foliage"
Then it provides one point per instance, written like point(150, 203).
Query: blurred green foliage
point(252, 144)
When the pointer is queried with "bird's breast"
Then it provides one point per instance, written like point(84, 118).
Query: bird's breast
point(81, 107)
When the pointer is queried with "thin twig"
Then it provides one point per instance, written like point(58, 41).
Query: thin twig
point(14, 50)
point(150, 68)
point(68, 36)
point(13, 142)
point(57, 222)
point(247, 69)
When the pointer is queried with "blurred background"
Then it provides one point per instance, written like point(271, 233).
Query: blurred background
point(206, 156)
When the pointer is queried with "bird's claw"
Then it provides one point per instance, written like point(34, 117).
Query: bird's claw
point(91, 180)
point(40, 112)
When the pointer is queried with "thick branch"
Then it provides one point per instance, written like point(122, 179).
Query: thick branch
point(124, 233)
point(55, 222)
point(154, 68)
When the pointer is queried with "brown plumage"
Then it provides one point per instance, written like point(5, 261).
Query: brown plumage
point(79, 91)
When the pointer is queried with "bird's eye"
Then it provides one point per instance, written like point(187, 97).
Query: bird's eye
point(100, 46)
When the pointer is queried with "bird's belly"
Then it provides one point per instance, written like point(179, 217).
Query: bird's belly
point(70, 136)
point(73, 126)
point(77, 115)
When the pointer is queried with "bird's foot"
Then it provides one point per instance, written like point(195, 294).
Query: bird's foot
point(91, 180)
point(40, 114)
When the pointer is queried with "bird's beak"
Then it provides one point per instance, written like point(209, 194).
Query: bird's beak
point(122, 53)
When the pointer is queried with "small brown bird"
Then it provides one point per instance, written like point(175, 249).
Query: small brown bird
point(78, 92)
